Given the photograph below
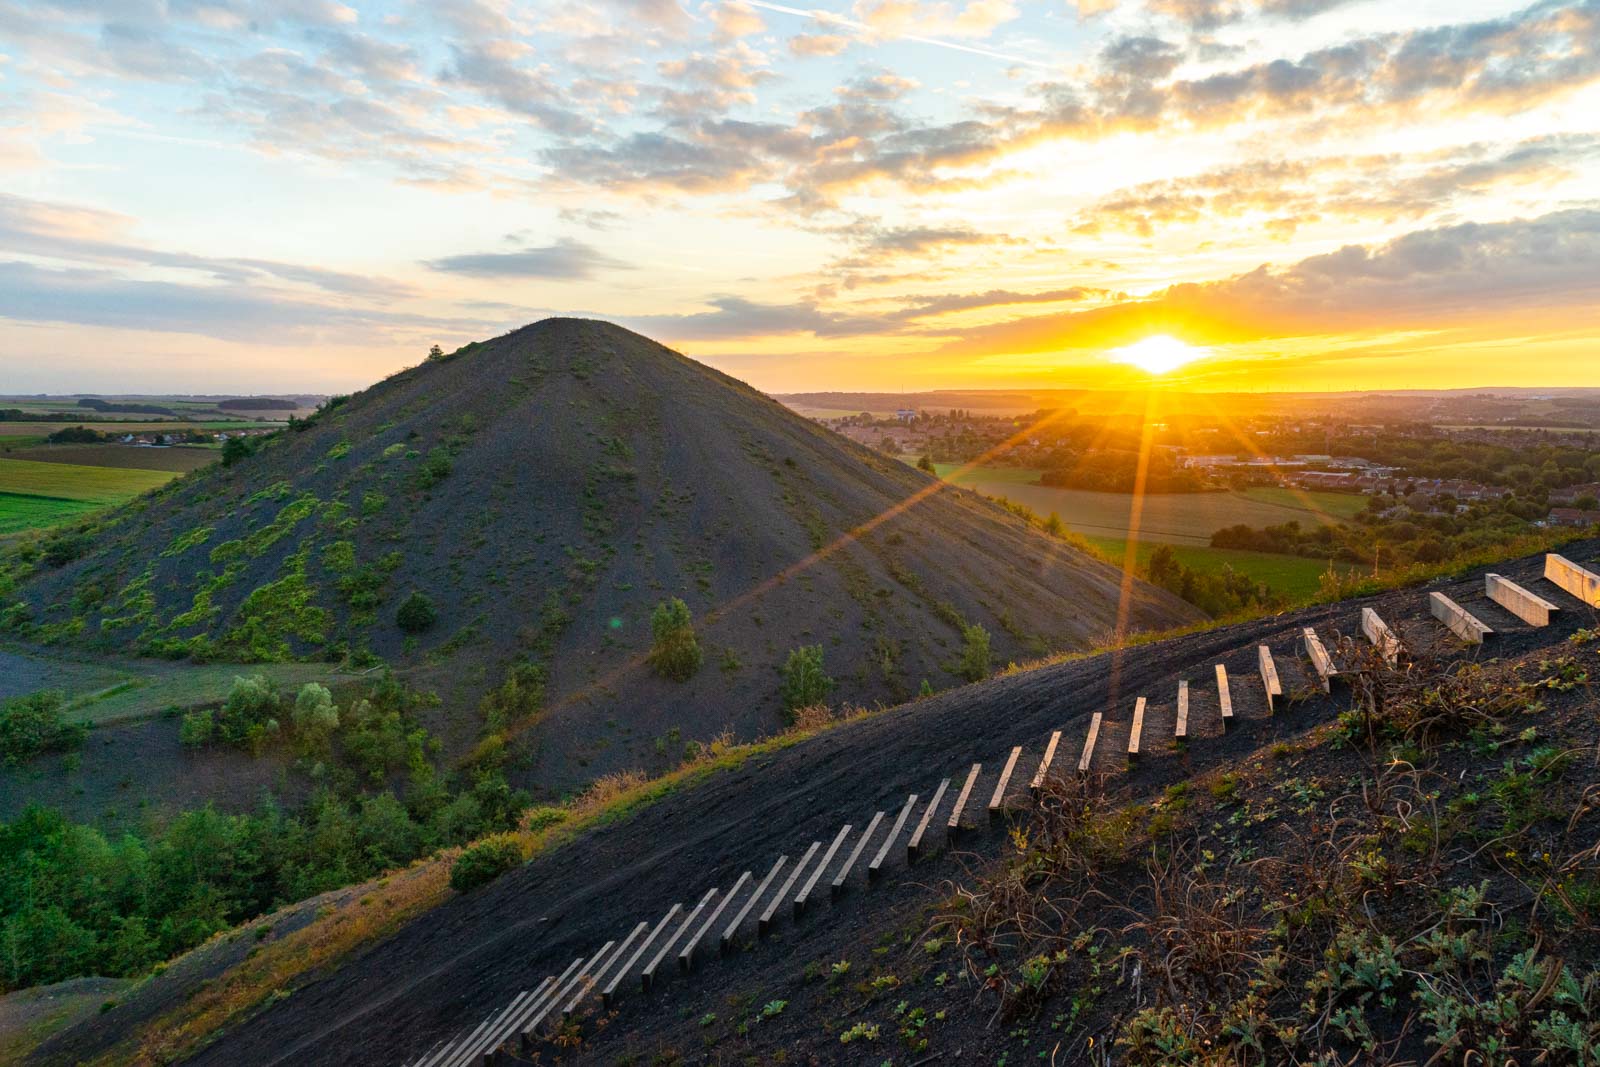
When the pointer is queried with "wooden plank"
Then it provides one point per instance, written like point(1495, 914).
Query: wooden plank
point(1528, 606)
point(439, 1054)
point(1181, 730)
point(472, 1050)
point(1580, 582)
point(609, 992)
point(1383, 639)
point(1321, 662)
point(574, 983)
point(998, 801)
point(696, 928)
point(1136, 735)
point(804, 895)
point(648, 975)
point(961, 799)
point(1269, 676)
point(1044, 764)
point(610, 987)
point(744, 913)
point(1088, 744)
point(686, 954)
point(543, 991)
point(589, 978)
point(894, 835)
point(843, 877)
point(915, 844)
point(1224, 698)
point(530, 1028)
point(1460, 621)
point(765, 922)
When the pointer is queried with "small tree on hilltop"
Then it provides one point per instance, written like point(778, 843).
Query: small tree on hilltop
point(974, 664)
point(804, 680)
point(674, 650)
point(926, 464)
point(435, 352)
point(416, 613)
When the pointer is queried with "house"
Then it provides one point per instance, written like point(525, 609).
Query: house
point(1572, 517)
point(1574, 493)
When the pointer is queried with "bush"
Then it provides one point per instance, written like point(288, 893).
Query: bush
point(75, 435)
point(62, 549)
point(315, 717)
point(248, 717)
point(416, 613)
point(804, 681)
point(33, 724)
point(974, 662)
point(198, 728)
point(675, 651)
point(236, 448)
point(484, 862)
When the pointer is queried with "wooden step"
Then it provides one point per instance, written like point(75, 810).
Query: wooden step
point(590, 977)
point(1321, 662)
point(954, 825)
point(1088, 744)
point(1460, 622)
point(804, 895)
point(1136, 734)
point(1578, 581)
point(608, 992)
point(998, 800)
point(1382, 638)
point(876, 866)
point(647, 976)
point(1181, 730)
point(738, 921)
point(687, 952)
point(842, 879)
point(1530, 607)
point(1044, 764)
point(1269, 676)
point(914, 846)
point(768, 916)
point(530, 1026)
point(1224, 698)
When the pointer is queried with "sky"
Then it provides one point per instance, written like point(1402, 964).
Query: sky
point(254, 196)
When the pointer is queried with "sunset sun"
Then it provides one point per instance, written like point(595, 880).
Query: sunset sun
point(1159, 354)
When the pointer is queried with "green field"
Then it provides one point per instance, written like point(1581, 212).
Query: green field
point(1296, 576)
point(144, 425)
point(71, 481)
point(18, 512)
point(118, 690)
point(1173, 518)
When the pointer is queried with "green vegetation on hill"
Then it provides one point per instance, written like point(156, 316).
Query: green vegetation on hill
point(74, 901)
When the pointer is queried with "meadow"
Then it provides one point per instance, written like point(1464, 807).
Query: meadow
point(20, 512)
point(73, 481)
point(153, 425)
point(1171, 518)
point(1296, 576)
point(178, 458)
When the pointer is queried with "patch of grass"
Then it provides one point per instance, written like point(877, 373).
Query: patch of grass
point(71, 481)
point(19, 512)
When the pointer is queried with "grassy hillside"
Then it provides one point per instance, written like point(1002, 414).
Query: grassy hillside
point(1402, 867)
point(542, 494)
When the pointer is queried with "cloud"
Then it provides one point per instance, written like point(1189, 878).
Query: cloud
point(737, 317)
point(89, 297)
point(818, 44)
point(88, 235)
point(1471, 273)
point(566, 260)
point(898, 18)
point(734, 19)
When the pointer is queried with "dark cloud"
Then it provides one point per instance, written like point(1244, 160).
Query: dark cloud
point(566, 260)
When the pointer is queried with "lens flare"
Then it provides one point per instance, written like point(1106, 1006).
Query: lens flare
point(1160, 354)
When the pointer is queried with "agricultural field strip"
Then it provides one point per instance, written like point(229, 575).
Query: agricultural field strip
point(71, 481)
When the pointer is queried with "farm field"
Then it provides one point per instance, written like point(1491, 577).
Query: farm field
point(157, 425)
point(72, 481)
point(178, 458)
point(1173, 518)
point(20, 512)
point(1296, 576)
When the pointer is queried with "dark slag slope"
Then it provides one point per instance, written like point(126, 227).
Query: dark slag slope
point(546, 489)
